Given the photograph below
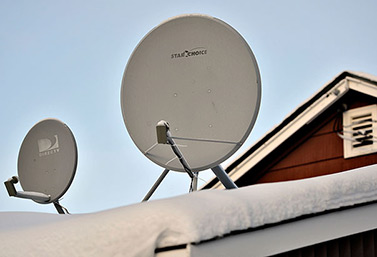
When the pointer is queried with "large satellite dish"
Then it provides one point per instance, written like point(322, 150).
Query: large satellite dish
point(199, 76)
point(47, 163)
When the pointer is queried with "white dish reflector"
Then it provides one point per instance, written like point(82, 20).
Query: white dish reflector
point(198, 74)
point(47, 159)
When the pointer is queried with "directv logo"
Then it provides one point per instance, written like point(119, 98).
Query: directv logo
point(46, 147)
point(190, 53)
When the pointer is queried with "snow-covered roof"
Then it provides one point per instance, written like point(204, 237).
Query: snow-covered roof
point(139, 229)
point(304, 114)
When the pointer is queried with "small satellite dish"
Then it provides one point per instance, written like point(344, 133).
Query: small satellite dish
point(47, 163)
point(197, 75)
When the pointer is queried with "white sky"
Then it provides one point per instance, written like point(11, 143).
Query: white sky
point(65, 59)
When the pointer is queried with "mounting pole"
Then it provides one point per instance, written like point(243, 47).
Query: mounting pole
point(194, 182)
point(155, 185)
point(60, 209)
point(223, 177)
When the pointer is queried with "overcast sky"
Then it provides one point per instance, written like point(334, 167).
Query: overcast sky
point(65, 59)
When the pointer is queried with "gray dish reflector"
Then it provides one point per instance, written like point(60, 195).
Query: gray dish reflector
point(47, 159)
point(198, 74)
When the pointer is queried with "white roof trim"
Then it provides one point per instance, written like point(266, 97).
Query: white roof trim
point(362, 87)
point(313, 111)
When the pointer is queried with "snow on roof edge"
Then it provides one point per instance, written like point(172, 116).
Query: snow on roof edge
point(137, 230)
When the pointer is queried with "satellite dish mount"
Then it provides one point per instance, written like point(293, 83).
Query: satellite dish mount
point(35, 196)
point(164, 137)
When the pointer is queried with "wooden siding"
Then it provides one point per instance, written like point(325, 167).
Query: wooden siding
point(314, 151)
point(321, 154)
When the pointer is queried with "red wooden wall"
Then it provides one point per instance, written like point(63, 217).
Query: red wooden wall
point(321, 154)
point(318, 151)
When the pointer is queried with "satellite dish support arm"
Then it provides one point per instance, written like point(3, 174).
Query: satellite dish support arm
point(36, 196)
point(164, 137)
